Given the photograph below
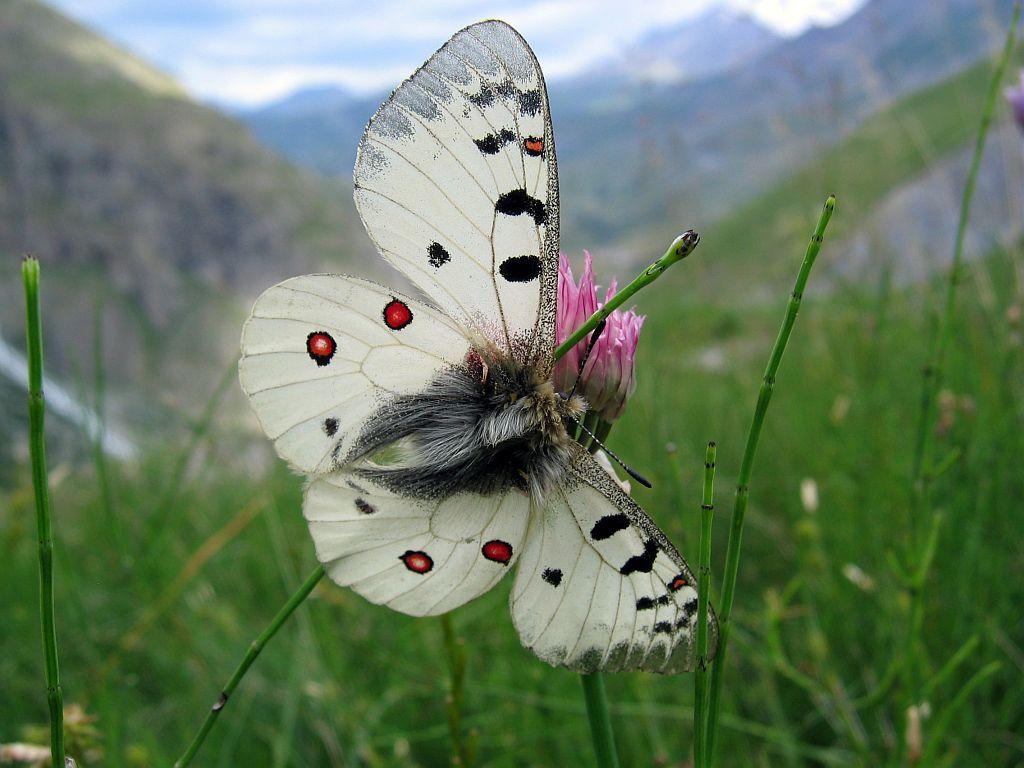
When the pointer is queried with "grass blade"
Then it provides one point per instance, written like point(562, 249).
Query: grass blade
point(945, 719)
point(40, 484)
point(732, 556)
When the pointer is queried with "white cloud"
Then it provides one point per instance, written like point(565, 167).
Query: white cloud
point(790, 17)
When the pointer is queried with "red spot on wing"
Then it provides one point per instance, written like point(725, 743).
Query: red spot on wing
point(677, 583)
point(497, 550)
point(321, 347)
point(397, 314)
point(417, 562)
point(534, 146)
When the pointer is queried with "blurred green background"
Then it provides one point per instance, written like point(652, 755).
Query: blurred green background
point(158, 218)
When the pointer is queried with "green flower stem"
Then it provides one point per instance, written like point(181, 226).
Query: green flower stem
point(681, 247)
point(600, 721)
point(732, 555)
point(700, 680)
point(40, 484)
point(250, 656)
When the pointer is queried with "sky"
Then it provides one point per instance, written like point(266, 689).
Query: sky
point(244, 53)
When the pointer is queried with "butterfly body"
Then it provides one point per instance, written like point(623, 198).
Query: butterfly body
point(440, 454)
point(481, 427)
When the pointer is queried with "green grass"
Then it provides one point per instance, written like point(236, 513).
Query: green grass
point(350, 683)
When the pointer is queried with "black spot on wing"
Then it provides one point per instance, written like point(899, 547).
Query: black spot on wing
point(330, 426)
point(608, 526)
point(520, 269)
point(365, 507)
point(527, 102)
point(689, 608)
point(530, 102)
point(517, 202)
point(492, 143)
point(552, 576)
point(664, 626)
point(438, 255)
point(485, 97)
point(646, 603)
point(643, 562)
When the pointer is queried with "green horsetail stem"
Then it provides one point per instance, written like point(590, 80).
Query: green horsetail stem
point(921, 555)
point(732, 555)
point(700, 680)
point(41, 487)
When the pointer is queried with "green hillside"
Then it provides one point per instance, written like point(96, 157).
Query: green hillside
point(742, 252)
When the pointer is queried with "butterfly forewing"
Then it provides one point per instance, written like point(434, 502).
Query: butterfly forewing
point(420, 557)
point(599, 587)
point(456, 184)
point(321, 353)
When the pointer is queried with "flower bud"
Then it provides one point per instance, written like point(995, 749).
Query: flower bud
point(608, 378)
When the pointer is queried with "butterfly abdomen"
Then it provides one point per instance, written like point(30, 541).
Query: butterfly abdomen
point(476, 429)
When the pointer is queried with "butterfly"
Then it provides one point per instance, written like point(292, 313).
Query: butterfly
point(439, 452)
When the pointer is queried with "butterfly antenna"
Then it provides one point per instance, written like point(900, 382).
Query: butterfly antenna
point(629, 470)
point(594, 335)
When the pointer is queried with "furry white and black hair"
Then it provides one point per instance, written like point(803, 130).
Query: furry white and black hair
point(491, 424)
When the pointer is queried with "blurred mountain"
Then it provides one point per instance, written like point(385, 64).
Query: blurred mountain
point(712, 43)
point(318, 127)
point(639, 152)
point(162, 217)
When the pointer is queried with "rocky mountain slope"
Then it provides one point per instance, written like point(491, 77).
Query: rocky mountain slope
point(166, 214)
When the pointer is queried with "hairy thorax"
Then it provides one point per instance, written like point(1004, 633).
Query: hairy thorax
point(490, 424)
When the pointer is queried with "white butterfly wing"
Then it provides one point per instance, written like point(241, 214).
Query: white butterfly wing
point(321, 353)
point(599, 587)
point(456, 183)
point(416, 556)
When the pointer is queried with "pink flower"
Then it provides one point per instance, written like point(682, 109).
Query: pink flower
point(1016, 98)
point(608, 379)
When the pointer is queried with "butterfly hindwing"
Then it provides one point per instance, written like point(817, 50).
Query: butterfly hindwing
point(599, 587)
point(456, 183)
point(321, 353)
point(420, 557)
